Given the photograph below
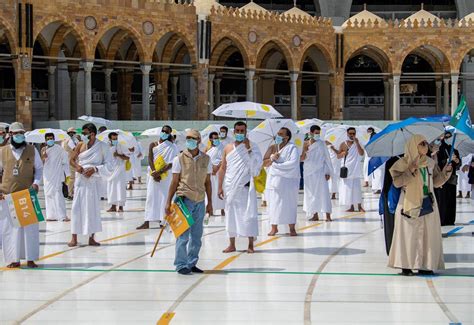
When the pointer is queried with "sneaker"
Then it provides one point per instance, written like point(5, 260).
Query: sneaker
point(195, 269)
point(184, 271)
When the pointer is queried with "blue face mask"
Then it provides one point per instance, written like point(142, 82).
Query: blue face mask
point(2, 138)
point(278, 139)
point(50, 143)
point(191, 144)
point(164, 136)
point(239, 137)
point(316, 136)
point(216, 142)
point(114, 142)
point(19, 138)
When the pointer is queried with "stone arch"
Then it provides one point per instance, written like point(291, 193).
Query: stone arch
point(325, 55)
point(461, 53)
point(430, 48)
point(175, 36)
point(224, 46)
point(375, 53)
point(64, 29)
point(123, 32)
point(274, 45)
point(9, 32)
point(43, 44)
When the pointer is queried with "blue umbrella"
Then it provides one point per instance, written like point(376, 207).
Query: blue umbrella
point(391, 141)
point(376, 162)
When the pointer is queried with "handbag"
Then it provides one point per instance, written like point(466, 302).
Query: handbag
point(427, 205)
point(344, 171)
point(65, 190)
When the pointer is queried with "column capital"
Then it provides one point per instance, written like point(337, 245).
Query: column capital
point(446, 80)
point(439, 84)
point(145, 68)
point(294, 76)
point(211, 77)
point(249, 74)
point(108, 71)
point(396, 78)
point(51, 69)
point(87, 65)
point(454, 77)
point(174, 80)
point(217, 80)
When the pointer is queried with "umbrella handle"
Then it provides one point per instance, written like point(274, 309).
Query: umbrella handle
point(452, 149)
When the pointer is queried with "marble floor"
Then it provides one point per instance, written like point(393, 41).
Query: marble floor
point(331, 273)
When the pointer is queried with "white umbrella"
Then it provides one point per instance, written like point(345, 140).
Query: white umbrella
point(305, 125)
point(362, 133)
point(125, 138)
point(263, 135)
point(336, 135)
point(95, 120)
point(37, 136)
point(246, 110)
point(213, 128)
point(4, 125)
point(464, 144)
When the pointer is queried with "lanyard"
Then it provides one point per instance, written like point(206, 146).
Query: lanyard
point(425, 180)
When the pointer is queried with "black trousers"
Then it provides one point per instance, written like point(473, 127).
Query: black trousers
point(446, 197)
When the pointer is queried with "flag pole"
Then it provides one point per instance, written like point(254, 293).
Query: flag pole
point(452, 148)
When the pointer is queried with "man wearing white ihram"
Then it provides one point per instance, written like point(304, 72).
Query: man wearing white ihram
point(350, 192)
point(215, 153)
point(241, 162)
point(117, 180)
point(281, 191)
point(92, 160)
point(317, 172)
point(22, 168)
point(160, 156)
point(55, 169)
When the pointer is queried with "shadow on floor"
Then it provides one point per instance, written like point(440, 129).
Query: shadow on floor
point(458, 271)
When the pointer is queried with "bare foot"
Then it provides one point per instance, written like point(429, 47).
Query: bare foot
point(293, 233)
point(146, 225)
point(264, 204)
point(350, 210)
point(31, 265)
point(223, 212)
point(112, 210)
point(72, 243)
point(92, 242)
point(51, 219)
point(328, 219)
point(361, 209)
point(250, 250)
point(229, 249)
point(120, 209)
point(315, 218)
point(272, 233)
point(14, 265)
point(66, 220)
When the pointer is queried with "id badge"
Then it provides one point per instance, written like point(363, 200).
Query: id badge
point(15, 171)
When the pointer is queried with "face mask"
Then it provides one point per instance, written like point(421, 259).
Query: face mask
point(191, 144)
point(239, 137)
point(85, 138)
point(50, 143)
point(114, 142)
point(216, 142)
point(2, 138)
point(222, 135)
point(278, 139)
point(164, 136)
point(19, 138)
point(316, 136)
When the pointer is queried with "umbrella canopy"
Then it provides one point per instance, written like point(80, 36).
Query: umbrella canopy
point(336, 135)
point(37, 136)
point(376, 162)
point(391, 140)
point(464, 144)
point(246, 110)
point(305, 125)
point(362, 133)
point(205, 143)
point(4, 125)
point(263, 135)
point(95, 120)
point(125, 138)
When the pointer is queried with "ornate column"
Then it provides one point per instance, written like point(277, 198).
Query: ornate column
point(210, 93)
point(294, 100)
point(73, 94)
point(108, 91)
point(217, 85)
point(87, 66)
point(174, 97)
point(439, 84)
point(454, 92)
point(51, 92)
point(249, 76)
point(396, 98)
point(446, 96)
point(386, 111)
point(145, 68)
